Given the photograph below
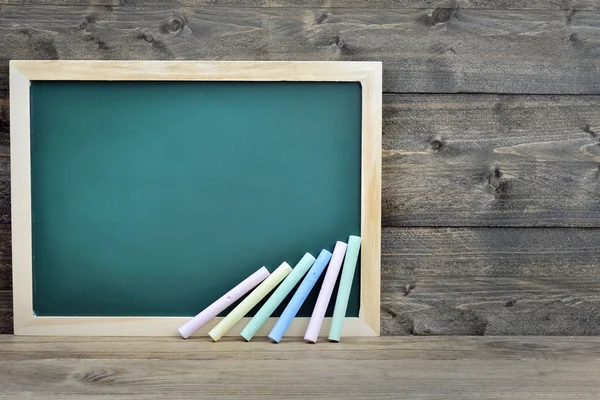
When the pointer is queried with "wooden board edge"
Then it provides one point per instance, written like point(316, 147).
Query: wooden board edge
point(369, 74)
point(94, 70)
point(167, 326)
point(370, 291)
point(20, 177)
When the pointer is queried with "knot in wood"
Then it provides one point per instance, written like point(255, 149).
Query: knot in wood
point(175, 25)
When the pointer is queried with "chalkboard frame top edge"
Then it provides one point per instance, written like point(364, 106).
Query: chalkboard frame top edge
point(22, 72)
point(101, 70)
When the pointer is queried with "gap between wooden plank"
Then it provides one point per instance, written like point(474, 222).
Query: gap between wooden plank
point(500, 5)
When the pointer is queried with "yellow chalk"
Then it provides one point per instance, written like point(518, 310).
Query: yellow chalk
point(249, 302)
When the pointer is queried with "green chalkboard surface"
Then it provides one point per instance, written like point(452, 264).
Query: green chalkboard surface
point(155, 198)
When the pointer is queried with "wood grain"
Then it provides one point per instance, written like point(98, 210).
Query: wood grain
point(370, 219)
point(4, 196)
point(423, 51)
point(383, 4)
point(149, 70)
point(15, 348)
point(6, 320)
point(457, 368)
point(487, 281)
point(479, 160)
point(487, 160)
point(5, 253)
point(369, 74)
point(482, 281)
point(449, 160)
point(5, 270)
point(491, 160)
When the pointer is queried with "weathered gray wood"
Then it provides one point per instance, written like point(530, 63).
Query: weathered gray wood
point(449, 160)
point(489, 281)
point(491, 160)
point(4, 199)
point(19, 348)
point(501, 255)
point(5, 268)
point(489, 252)
point(491, 306)
point(5, 249)
point(391, 4)
point(422, 50)
point(457, 368)
point(6, 321)
point(482, 281)
point(380, 368)
point(468, 160)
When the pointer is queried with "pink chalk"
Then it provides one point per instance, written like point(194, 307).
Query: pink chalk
point(316, 320)
point(225, 301)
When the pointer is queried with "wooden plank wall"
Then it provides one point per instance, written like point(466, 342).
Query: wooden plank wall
point(491, 142)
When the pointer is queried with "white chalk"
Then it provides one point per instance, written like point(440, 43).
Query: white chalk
point(316, 320)
point(222, 303)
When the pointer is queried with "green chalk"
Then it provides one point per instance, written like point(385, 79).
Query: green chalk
point(278, 296)
point(341, 303)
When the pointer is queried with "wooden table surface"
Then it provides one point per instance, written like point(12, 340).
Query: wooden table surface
point(387, 367)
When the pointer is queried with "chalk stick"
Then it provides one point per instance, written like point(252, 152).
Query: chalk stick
point(223, 302)
point(249, 302)
point(341, 303)
point(299, 297)
point(277, 297)
point(316, 320)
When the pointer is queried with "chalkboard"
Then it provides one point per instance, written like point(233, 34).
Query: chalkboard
point(155, 198)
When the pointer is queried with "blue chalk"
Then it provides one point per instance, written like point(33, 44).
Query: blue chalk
point(301, 294)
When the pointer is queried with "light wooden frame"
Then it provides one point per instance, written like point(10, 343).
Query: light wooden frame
point(22, 72)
